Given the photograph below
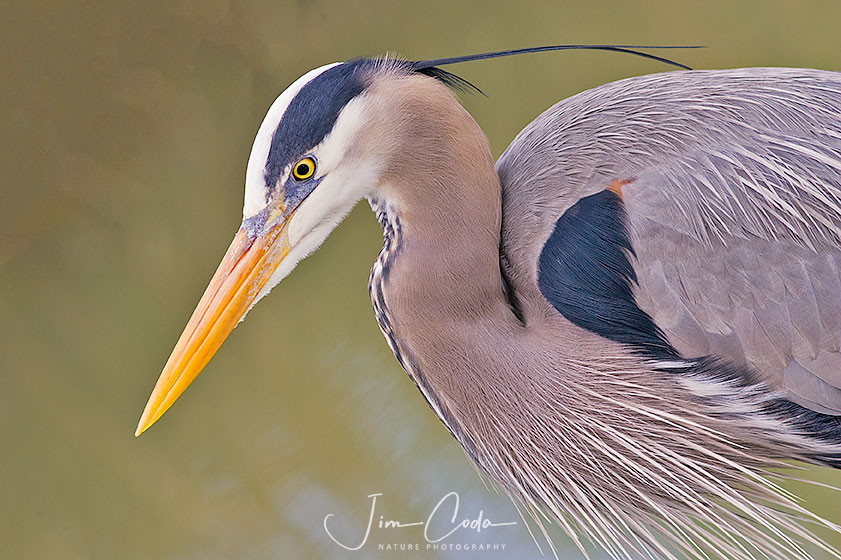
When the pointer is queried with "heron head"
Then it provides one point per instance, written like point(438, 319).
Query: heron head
point(323, 145)
point(337, 134)
point(311, 162)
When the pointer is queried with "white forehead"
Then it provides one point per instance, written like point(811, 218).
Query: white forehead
point(255, 184)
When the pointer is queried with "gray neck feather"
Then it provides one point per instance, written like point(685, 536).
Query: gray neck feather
point(437, 282)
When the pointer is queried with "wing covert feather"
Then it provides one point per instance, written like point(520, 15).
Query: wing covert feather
point(744, 252)
point(733, 211)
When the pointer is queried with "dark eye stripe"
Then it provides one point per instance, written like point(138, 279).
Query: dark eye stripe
point(312, 113)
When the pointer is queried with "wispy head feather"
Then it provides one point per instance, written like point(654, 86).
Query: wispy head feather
point(431, 67)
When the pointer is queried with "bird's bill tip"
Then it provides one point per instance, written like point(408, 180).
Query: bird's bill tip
point(245, 269)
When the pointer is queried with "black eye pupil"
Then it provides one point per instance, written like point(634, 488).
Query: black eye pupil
point(303, 169)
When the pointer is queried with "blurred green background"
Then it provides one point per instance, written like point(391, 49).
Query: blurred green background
point(126, 127)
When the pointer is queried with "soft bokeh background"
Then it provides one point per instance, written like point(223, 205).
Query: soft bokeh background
point(126, 127)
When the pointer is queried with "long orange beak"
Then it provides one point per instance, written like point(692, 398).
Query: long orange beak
point(245, 269)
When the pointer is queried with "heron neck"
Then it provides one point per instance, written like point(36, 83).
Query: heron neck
point(445, 238)
point(448, 259)
point(437, 288)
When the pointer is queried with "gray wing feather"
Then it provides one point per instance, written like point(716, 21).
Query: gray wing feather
point(738, 240)
point(734, 210)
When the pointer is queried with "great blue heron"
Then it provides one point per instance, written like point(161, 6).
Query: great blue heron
point(630, 322)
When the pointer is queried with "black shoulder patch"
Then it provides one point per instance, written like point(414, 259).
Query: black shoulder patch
point(585, 272)
point(313, 112)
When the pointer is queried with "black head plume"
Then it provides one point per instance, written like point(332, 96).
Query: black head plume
point(430, 67)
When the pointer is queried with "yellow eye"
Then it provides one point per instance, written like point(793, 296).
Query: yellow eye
point(304, 169)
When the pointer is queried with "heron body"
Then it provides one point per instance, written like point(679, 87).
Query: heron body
point(626, 322)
